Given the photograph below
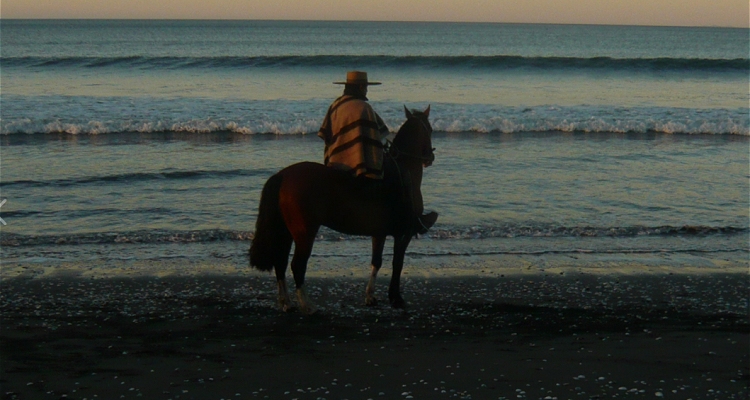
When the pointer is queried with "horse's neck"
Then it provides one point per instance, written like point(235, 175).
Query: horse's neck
point(403, 171)
point(413, 167)
point(409, 151)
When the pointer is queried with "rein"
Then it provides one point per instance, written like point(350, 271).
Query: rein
point(395, 152)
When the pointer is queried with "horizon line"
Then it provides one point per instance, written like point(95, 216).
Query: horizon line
point(374, 21)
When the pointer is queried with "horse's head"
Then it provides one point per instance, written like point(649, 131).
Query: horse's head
point(414, 139)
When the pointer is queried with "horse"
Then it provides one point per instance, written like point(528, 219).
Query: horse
point(299, 199)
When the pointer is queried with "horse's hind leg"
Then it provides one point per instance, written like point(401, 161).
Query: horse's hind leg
point(377, 261)
point(303, 245)
point(285, 303)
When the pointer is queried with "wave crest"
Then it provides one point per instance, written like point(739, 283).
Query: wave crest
point(23, 115)
point(496, 62)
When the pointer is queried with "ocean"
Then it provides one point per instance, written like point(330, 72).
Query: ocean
point(143, 145)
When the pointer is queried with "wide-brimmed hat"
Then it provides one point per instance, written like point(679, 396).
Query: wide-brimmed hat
point(356, 78)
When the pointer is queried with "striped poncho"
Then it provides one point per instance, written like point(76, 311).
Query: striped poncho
point(354, 135)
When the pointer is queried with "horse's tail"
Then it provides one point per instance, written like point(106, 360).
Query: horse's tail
point(270, 230)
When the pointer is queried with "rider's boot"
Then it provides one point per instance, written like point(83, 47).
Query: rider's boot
point(425, 221)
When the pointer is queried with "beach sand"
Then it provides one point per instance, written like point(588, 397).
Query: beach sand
point(536, 336)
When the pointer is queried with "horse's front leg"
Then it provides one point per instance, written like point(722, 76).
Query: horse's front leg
point(394, 290)
point(378, 243)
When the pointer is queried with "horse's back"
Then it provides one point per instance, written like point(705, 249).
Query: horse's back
point(303, 168)
point(305, 176)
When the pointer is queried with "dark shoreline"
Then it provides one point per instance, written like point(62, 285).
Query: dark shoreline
point(572, 336)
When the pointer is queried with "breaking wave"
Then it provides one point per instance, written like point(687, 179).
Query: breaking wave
point(496, 62)
point(95, 115)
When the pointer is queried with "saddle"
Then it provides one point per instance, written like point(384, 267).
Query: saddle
point(396, 192)
point(380, 189)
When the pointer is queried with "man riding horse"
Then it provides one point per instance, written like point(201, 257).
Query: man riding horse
point(354, 134)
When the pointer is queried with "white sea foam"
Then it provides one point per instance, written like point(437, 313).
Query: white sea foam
point(93, 115)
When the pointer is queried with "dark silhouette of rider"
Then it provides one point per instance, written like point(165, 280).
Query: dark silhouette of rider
point(354, 135)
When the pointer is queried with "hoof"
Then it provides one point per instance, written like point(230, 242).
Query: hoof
point(398, 303)
point(305, 305)
point(308, 310)
point(371, 302)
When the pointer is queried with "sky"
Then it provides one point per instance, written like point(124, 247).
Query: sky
point(729, 13)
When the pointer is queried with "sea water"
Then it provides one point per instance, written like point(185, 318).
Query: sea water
point(151, 140)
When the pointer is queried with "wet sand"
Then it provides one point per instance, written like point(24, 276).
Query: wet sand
point(540, 336)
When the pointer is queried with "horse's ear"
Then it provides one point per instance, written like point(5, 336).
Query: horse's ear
point(408, 113)
point(427, 111)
